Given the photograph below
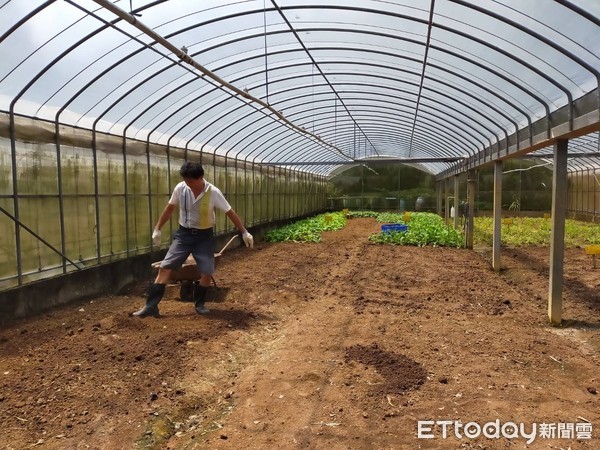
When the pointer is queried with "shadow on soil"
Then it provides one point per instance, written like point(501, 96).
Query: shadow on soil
point(578, 290)
point(581, 325)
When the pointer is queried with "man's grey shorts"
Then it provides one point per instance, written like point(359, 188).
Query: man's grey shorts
point(186, 241)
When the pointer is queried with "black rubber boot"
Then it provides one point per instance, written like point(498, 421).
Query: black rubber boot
point(155, 294)
point(186, 291)
point(199, 298)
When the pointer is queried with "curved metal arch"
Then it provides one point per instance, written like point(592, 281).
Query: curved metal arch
point(289, 139)
point(423, 21)
point(125, 58)
point(209, 124)
point(426, 149)
point(277, 150)
point(281, 155)
point(106, 25)
point(427, 138)
point(519, 87)
point(444, 95)
point(141, 84)
point(441, 93)
point(24, 20)
point(580, 11)
point(424, 144)
point(206, 127)
point(190, 120)
point(285, 130)
point(279, 138)
point(467, 36)
point(508, 118)
point(501, 127)
point(380, 77)
point(291, 147)
point(423, 167)
point(144, 45)
point(379, 128)
point(579, 165)
point(463, 130)
point(403, 57)
point(20, 23)
point(436, 102)
point(191, 55)
point(245, 38)
point(159, 113)
point(459, 140)
point(419, 148)
point(528, 66)
point(256, 139)
point(101, 74)
point(442, 68)
point(534, 34)
point(262, 135)
point(216, 119)
point(576, 166)
point(526, 50)
point(112, 66)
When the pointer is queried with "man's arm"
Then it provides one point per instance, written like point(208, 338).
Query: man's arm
point(164, 217)
point(166, 214)
point(247, 237)
point(236, 220)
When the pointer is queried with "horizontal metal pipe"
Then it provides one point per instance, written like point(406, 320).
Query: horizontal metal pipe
point(364, 161)
point(130, 18)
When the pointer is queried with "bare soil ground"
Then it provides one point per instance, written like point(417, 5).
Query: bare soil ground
point(336, 345)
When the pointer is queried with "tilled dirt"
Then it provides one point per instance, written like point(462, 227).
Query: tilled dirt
point(337, 345)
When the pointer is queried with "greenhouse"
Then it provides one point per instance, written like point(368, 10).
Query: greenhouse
point(406, 237)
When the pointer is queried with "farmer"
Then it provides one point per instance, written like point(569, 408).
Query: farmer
point(197, 200)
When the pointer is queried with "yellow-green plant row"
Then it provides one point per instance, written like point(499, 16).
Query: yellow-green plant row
point(307, 230)
point(524, 231)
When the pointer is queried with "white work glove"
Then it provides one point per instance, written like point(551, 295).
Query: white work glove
point(156, 234)
point(248, 239)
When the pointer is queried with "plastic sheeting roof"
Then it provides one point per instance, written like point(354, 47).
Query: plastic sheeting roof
point(313, 85)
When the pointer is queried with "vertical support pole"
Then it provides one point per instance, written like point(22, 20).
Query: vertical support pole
point(236, 191)
point(471, 174)
point(15, 195)
point(149, 175)
point(169, 188)
point(97, 196)
point(265, 187)
point(61, 207)
point(497, 214)
point(126, 188)
point(456, 200)
point(446, 201)
point(557, 241)
point(362, 186)
point(439, 198)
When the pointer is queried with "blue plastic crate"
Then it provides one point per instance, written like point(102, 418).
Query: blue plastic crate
point(393, 227)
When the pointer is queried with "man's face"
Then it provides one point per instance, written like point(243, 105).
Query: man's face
point(193, 182)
